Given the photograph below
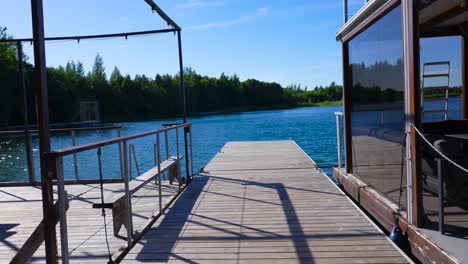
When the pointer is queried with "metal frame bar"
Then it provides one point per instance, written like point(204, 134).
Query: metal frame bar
point(347, 85)
point(84, 147)
point(412, 109)
point(441, 166)
point(75, 158)
point(98, 36)
point(465, 76)
point(370, 20)
point(24, 112)
point(50, 235)
point(162, 14)
point(338, 116)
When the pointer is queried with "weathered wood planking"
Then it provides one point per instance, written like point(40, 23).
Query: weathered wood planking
point(21, 212)
point(263, 202)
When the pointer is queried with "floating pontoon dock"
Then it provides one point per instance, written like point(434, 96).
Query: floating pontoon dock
point(263, 202)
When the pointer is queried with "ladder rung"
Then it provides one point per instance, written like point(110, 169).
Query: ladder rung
point(436, 87)
point(434, 98)
point(434, 111)
point(437, 63)
point(435, 74)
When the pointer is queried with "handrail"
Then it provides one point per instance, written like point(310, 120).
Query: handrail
point(85, 147)
point(55, 158)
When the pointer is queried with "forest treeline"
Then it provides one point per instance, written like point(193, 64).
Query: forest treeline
point(125, 98)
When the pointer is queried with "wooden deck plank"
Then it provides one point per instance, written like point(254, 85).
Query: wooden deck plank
point(263, 202)
point(21, 209)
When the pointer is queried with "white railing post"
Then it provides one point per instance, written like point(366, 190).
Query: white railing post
point(158, 147)
point(178, 159)
point(338, 137)
point(120, 155)
point(62, 204)
point(127, 195)
point(191, 156)
point(75, 160)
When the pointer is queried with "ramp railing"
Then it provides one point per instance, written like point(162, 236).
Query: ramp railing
point(119, 201)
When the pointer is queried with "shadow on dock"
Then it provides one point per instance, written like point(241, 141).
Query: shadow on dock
point(160, 243)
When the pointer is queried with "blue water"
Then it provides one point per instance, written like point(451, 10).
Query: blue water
point(313, 128)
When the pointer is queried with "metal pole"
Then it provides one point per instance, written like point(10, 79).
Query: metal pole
point(50, 236)
point(166, 139)
point(440, 175)
point(178, 159)
point(130, 161)
point(127, 196)
point(24, 104)
point(120, 154)
point(182, 86)
point(345, 11)
point(184, 105)
point(338, 137)
point(191, 157)
point(75, 160)
point(137, 167)
point(158, 146)
point(62, 201)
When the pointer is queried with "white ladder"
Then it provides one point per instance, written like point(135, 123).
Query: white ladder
point(444, 73)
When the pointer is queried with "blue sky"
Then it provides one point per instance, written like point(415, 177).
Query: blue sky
point(290, 42)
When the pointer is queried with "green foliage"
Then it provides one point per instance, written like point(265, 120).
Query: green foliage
point(124, 98)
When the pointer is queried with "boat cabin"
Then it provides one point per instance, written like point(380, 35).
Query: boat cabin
point(405, 120)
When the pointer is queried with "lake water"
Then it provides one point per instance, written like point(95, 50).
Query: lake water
point(313, 128)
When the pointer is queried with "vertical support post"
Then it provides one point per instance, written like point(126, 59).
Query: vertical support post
point(127, 195)
point(440, 168)
point(347, 85)
point(191, 149)
point(158, 147)
point(24, 112)
point(50, 236)
point(120, 154)
point(338, 137)
point(345, 11)
point(137, 167)
point(166, 139)
point(412, 109)
point(62, 203)
point(178, 158)
point(184, 105)
point(130, 161)
point(464, 77)
point(75, 159)
point(182, 85)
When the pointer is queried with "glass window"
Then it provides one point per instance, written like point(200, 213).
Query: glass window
point(377, 108)
point(437, 51)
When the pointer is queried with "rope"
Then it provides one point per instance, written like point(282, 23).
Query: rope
point(438, 151)
point(101, 182)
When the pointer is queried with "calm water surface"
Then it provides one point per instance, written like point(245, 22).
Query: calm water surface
point(312, 128)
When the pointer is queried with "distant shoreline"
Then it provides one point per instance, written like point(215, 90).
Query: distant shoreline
point(246, 110)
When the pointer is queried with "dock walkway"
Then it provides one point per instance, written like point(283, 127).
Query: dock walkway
point(263, 202)
point(21, 212)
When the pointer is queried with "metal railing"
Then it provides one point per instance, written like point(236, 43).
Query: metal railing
point(339, 120)
point(29, 151)
point(55, 159)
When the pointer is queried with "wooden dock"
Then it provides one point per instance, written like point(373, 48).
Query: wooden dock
point(21, 212)
point(263, 202)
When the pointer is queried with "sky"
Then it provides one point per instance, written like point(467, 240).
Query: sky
point(289, 42)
